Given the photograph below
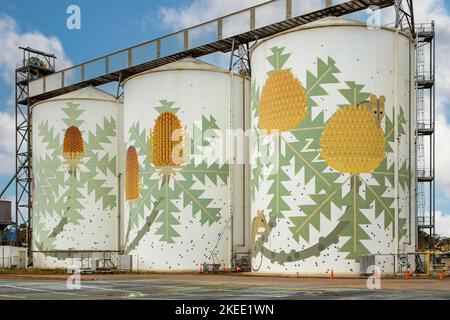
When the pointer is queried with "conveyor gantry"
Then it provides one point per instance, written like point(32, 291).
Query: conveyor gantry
point(217, 35)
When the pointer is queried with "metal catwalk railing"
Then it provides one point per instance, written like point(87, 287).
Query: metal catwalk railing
point(217, 35)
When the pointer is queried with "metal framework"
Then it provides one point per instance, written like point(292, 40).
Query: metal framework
point(424, 36)
point(426, 114)
point(404, 16)
point(219, 35)
point(35, 64)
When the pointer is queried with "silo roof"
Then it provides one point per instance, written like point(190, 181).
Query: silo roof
point(185, 65)
point(88, 93)
point(327, 22)
point(189, 64)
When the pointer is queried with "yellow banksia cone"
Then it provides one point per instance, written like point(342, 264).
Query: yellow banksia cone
point(166, 141)
point(282, 106)
point(132, 183)
point(283, 102)
point(73, 150)
point(353, 140)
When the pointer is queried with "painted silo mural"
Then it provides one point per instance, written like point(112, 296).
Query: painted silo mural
point(331, 178)
point(178, 187)
point(75, 182)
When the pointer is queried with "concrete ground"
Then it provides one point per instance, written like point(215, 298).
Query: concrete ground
point(212, 287)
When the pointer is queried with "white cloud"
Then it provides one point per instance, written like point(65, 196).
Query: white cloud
point(442, 224)
point(11, 38)
point(7, 143)
point(442, 153)
point(201, 11)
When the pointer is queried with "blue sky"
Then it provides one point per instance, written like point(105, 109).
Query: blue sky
point(108, 26)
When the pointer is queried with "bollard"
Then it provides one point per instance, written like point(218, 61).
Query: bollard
point(407, 275)
point(441, 276)
point(331, 274)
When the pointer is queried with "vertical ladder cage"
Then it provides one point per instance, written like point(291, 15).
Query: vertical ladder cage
point(426, 115)
point(35, 64)
point(424, 36)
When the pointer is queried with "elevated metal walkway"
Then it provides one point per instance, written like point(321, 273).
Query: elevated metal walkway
point(217, 35)
point(426, 141)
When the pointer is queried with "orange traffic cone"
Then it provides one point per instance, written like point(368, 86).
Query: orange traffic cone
point(441, 276)
point(331, 274)
point(407, 275)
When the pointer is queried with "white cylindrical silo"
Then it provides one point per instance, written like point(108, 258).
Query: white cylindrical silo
point(334, 152)
point(178, 212)
point(75, 181)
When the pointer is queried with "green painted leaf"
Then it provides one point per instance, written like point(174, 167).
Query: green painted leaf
point(277, 60)
point(166, 106)
point(325, 74)
point(200, 204)
point(322, 207)
point(278, 192)
point(357, 220)
point(214, 172)
point(354, 94)
point(73, 113)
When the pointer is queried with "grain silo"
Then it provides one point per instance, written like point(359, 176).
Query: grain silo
point(180, 189)
point(75, 189)
point(333, 109)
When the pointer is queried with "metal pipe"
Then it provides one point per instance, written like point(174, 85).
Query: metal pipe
point(120, 174)
point(396, 154)
point(231, 166)
point(434, 133)
point(411, 96)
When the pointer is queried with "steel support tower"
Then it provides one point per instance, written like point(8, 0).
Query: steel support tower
point(35, 64)
point(426, 115)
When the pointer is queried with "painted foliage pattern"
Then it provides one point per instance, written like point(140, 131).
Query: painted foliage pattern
point(169, 189)
point(75, 166)
point(298, 152)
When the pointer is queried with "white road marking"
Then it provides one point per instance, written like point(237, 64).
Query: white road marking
point(46, 291)
point(132, 293)
point(14, 297)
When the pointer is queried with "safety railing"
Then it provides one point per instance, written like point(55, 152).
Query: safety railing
point(211, 32)
point(425, 125)
point(425, 76)
point(424, 173)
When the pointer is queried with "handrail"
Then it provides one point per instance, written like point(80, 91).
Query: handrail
point(216, 38)
point(171, 34)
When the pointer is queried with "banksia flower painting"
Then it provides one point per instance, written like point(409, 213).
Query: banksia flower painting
point(166, 141)
point(133, 184)
point(336, 160)
point(73, 148)
point(353, 140)
point(283, 99)
point(171, 183)
point(62, 199)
